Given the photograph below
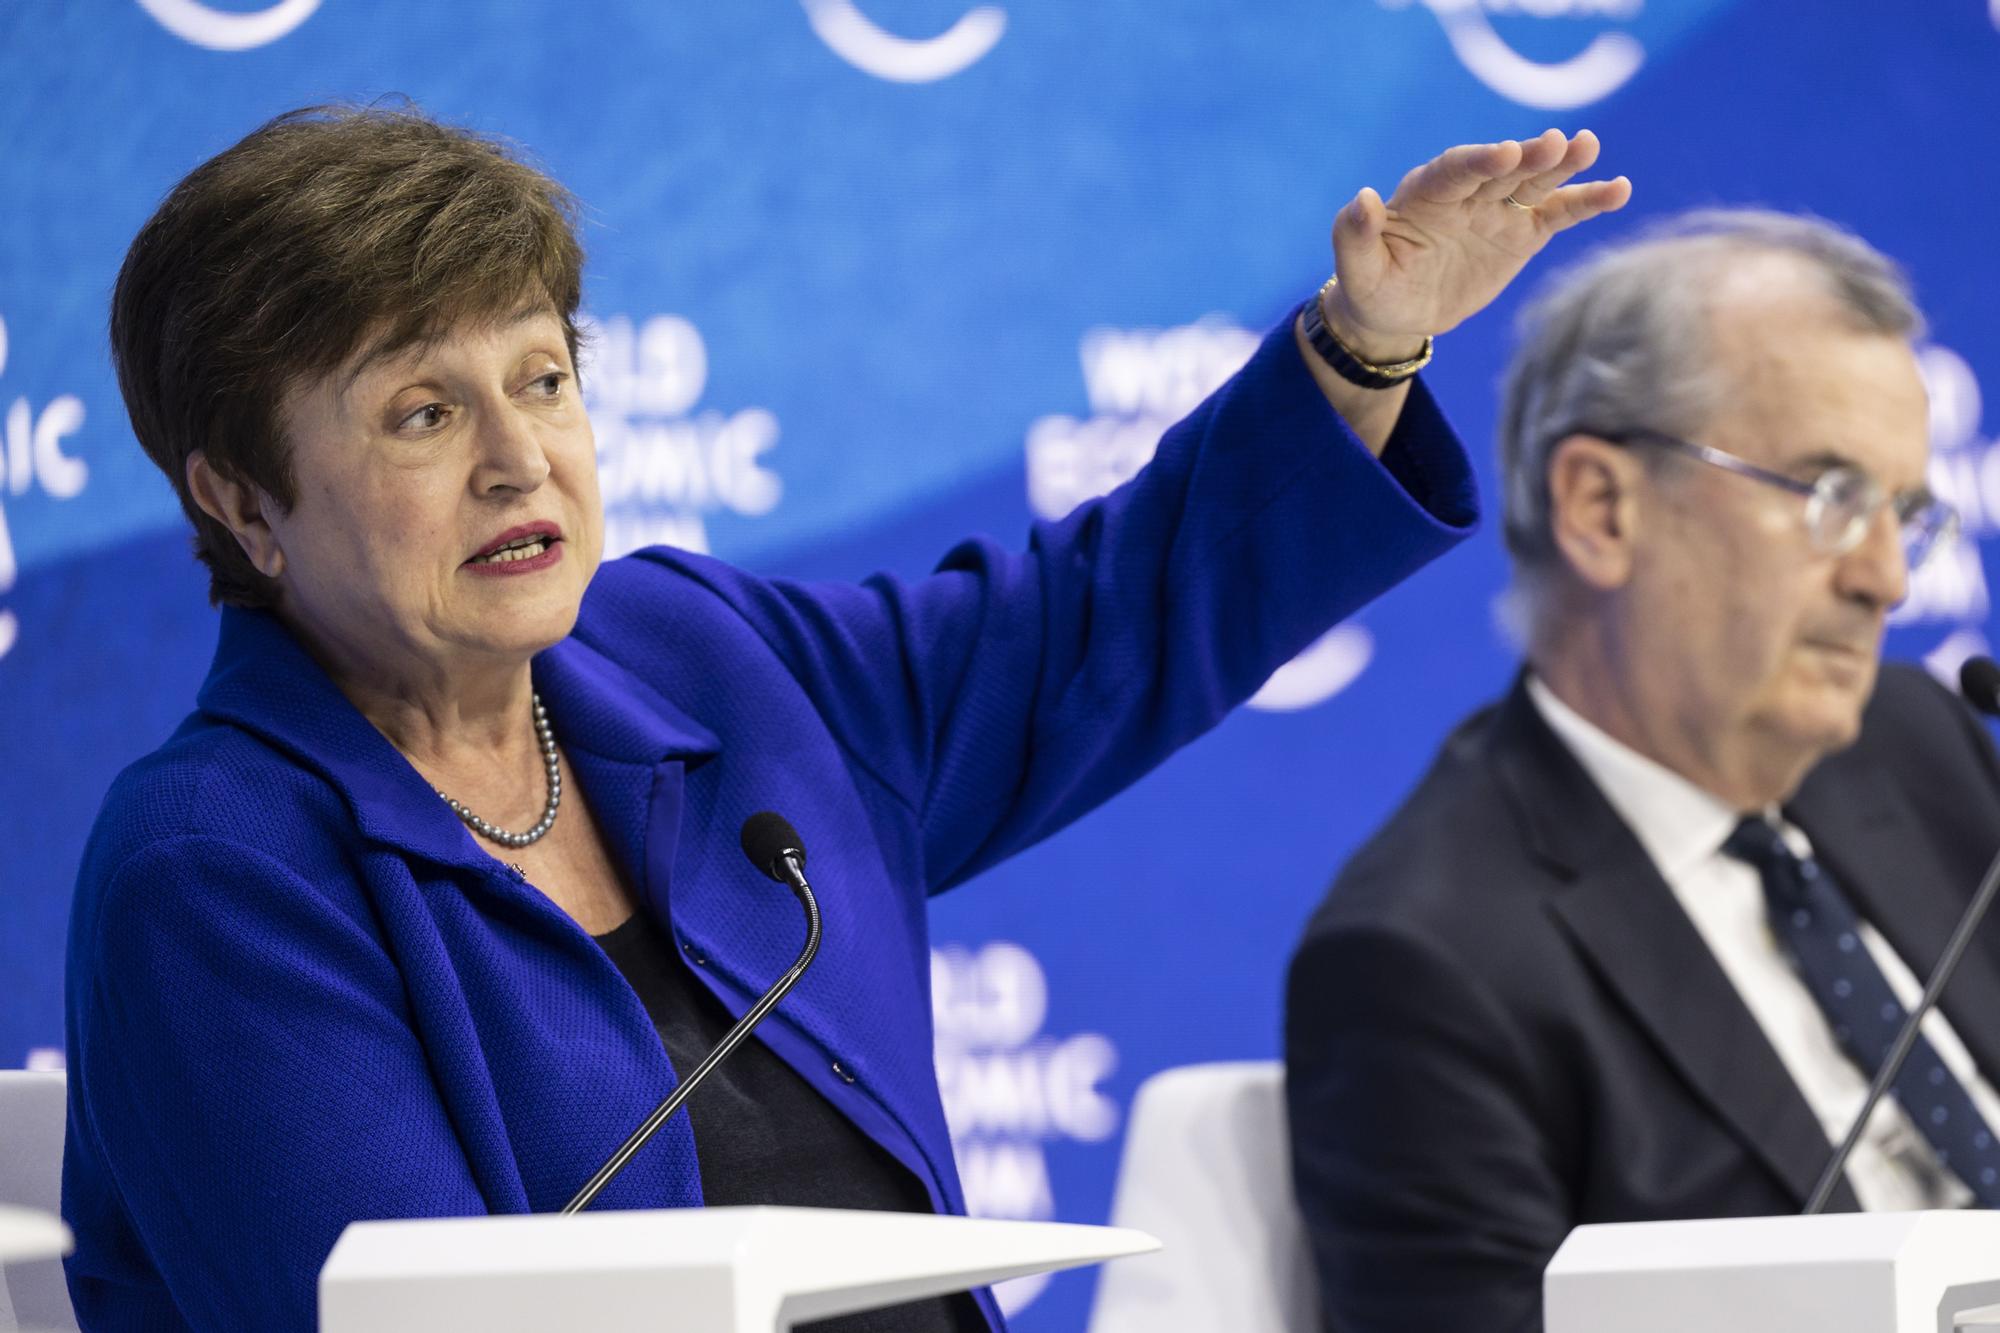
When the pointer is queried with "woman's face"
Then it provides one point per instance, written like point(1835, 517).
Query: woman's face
point(446, 513)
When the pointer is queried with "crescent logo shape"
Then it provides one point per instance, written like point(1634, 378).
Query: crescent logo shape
point(1944, 660)
point(221, 30)
point(10, 627)
point(1595, 72)
point(1956, 406)
point(1317, 674)
point(855, 38)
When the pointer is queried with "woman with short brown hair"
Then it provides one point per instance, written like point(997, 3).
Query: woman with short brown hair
point(423, 907)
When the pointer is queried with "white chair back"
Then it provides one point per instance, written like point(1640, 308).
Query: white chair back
point(33, 1117)
point(1206, 1170)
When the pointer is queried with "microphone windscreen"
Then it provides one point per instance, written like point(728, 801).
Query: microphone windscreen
point(1979, 681)
point(766, 837)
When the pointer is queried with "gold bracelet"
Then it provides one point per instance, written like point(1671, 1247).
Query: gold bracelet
point(1349, 364)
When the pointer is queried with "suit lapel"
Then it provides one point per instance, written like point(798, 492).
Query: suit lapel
point(1862, 827)
point(1622, 917)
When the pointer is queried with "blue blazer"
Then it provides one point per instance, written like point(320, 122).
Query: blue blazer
point(300, 993)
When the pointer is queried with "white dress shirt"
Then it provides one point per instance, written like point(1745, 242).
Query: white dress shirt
point(1683, 828)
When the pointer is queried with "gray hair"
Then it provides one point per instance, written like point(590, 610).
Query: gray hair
point(1619, 342)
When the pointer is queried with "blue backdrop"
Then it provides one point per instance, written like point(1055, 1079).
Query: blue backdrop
point(872, 274)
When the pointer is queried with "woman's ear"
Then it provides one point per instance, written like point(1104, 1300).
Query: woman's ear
point(240, 507)
point(1594, 488)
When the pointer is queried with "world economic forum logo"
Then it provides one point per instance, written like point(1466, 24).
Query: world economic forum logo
point(229, 29)
point(32, 459)
point(1604, 65)
point(1011, 1088)
point(1950, 589)
point(1139, 383)
point(664, 462)
point(864, 44)
point(848, 32)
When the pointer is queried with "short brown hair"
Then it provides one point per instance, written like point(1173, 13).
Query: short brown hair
point(273, 261)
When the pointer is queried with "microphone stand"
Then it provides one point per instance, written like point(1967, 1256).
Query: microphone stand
point(1893, 1064)
point(795, 878)
point(1978, 681)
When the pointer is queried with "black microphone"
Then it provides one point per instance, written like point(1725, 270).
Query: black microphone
point(773, 847)
point(1979, 681)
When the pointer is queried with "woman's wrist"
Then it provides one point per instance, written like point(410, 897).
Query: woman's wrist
point(1376, 348)
point(1329, 352)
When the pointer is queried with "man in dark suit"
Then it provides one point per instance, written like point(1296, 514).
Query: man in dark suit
point(1636, 944)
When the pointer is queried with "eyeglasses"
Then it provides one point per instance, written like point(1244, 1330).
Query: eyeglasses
point(1841, 503)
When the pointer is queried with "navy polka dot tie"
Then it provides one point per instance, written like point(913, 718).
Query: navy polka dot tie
point(1814, 921)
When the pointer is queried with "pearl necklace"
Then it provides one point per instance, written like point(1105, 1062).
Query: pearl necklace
point(553, 766)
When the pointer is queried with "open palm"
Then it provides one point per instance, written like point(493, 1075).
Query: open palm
point(1449, 239)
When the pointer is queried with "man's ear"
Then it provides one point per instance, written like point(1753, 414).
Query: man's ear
point(240, 507)
point(1594, 490)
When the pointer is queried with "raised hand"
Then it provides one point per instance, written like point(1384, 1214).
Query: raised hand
point(1454, 234)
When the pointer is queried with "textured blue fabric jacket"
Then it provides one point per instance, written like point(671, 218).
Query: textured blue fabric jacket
point(300, 993)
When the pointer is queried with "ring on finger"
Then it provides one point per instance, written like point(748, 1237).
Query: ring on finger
point(1526, 208)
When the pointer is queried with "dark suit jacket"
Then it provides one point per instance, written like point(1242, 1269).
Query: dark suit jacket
point(1501, 1025)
